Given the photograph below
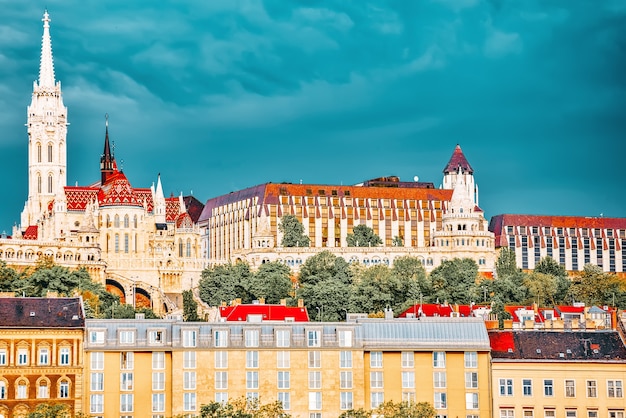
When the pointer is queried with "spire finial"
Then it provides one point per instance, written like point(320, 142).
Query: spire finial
point(46, 66)
point(106, 120)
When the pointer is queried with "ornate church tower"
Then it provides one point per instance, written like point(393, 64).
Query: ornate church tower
point(458, 170)
point(47, 131)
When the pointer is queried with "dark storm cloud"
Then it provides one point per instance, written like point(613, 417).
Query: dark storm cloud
point(221, 95)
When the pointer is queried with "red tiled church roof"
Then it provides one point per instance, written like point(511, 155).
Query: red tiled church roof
point(30, 233)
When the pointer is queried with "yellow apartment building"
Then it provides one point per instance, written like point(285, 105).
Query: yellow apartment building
point(161, 368)
point(41, 353)
point(548, 374)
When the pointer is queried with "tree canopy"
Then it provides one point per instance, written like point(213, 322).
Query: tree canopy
point(293, 232)
point(454, 281)
point(224, 283)
point(272, 282)
point(363, 236)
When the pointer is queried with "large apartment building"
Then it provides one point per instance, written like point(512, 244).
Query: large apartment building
point(161, 368)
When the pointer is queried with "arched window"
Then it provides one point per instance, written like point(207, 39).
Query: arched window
point(116, 221)
point(3, 389)
point(49, 153)
point(180, 247)
point(135, 222)
point(38, 183)
point(38, 152)
point(135, 243)
point(126, 221)
point(21, 390)
point(42, 389)
point(64, 389)
point(49, 183)
point(117, 243)
point(188, 250)
point(126, 244)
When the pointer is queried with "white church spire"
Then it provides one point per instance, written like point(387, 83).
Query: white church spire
point(46, 66)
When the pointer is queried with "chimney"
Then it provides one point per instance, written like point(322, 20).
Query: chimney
point(51, 295)
point(300, 303)
point(388, 313)
point(261, 301)
point(237, 302)
point(283, 302)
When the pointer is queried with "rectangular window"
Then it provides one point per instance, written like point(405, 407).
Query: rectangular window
point(507, 413)
point(97, 382)
point(127, 360)
point(127, 337)
point(570, 389)
point(471, 401)
point(156, 337)
point(315, 401)
point(44, 356)
point(283, 380)
point(285, 399)
point(592, 389)
point(315, 380)
point(158, 381)
point(96, 337)
point(251, 338)
point(221, 359)
point(345, 399)
point(592, 414)
point(126, 402)
point(345, 359)
point(158, 402)
point(221, 397)
point(471, 359)
point(126, 381)
point(96, 403)
point(548, 387)
point(158, 360)
point(441, 401)
point(527, 387)
point(376, 359)
point(3, 357)
point(549, 413)
point(189, 338)
point(189, 401)
point(376, 380)
point(345, 338)
point(64, 389)
point(408, 359)
point(439, 379)
point(616, 414)
point(22, 357)
point(345, 380)
point(570, 413)
point(315, 360)
point(615, 389)
point(376, 399)
point(408, 380)
point(64, 356)
point(528, 413)
point(282, 338)
point(471, 380)
point(408, 397)
point(221, 380)
point(97, 360)
point(439, 359)
point(252, 380)
point(313, 339)
point(220, 338)
point(189, 380)
point(189, 359)
point(252, 359)
point(506, 387)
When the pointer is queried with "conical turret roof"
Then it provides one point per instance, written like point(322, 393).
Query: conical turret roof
point(457, 161)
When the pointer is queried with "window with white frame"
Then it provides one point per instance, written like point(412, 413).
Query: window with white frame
point(127, 336)
point(439, 359)
point(189, 401)
point(441, 400)
point(189, 380)
point(221, 397)
point(570, 388)
point(158, 402)
point(42, 389)
point(615, 388)
point(189, 359)
point(471, 359)
point(376, 399)
point(251, 337)
point(158, 360)
point(439, 379)
point(345, 380)
point(252, 380)
point(345, 338)
point(408, 397)
point(528, 413)
point(471, 400)
point(507, 413)
point(96, 336)
point(471, 380)
point(156, 336)
point(3, 357)
point(549, 413)
point(97, 382)
point(64, 356)
point(283, 359)
point(408, 359)
point(126, 381)
point(527, 387)
point(592, 413)
point(376, 380)
point(44, 356)
point(221, 380)
point(97, 360)
point(571, 413)
point(315, 401)
point(315, 359)
point(616, 414)
point(252, 359)
point(3, 389)
point(506, 387)
point(345, 359)
point(221, 359)
point(220, 338)
point(345, 400)
point(189, 338)
point(283, 380)
point(285, 399)
point(283, 337)
point(96, 403)
point(313, 338)
point(22, 390)
point(22, 356)
point(592, 389)
point(315, 380)
point(376, 359)
point(158, 381)
point(127, 360)
point(126, 402)
point(548, 387)
point(408, 380)
point(64, 389)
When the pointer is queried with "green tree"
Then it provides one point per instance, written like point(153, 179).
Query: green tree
point(454, 281)
point(50, 410)
point(323, 266)
point(506, 264)
point(243, 408)
point(363, 236)
point(548, 265)
point(293, 232)
point(542, 287)
point(397, 241)
point(9, 278)
point(224, 283)
point(412, 276)
point(356, 413)
point(374, 290)
point(190, 307)
point(595, 287)
point(272, 281)
point(393, 409)
point(326, 300)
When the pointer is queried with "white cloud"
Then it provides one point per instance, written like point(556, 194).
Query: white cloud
point(500, 43)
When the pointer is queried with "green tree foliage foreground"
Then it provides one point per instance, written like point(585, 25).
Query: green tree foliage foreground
point(392, 409)
point(363, 236)
point(293, 232)
point(243, 408)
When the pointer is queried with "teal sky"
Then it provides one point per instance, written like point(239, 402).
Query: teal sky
point(220, 95)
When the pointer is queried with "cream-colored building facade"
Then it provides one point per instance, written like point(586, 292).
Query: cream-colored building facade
point(143, 245)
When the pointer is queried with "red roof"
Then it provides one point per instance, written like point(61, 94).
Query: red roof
point(117, 191)
point(457, 161)
point(502, 341)
point(268, 312)
point(30, 233)
point(513, 310)
point(172, 208)
point(428, 309)
point(78, 197)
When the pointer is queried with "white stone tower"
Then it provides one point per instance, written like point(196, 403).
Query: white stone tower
point(47, 131)
point(458, 170)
